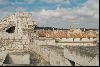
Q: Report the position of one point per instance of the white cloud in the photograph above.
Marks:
(29, 1)
(50, 13)
(88, 15)
(20, 9)
(56, 1)
(4, 14)
(23, 2)
(6, 11)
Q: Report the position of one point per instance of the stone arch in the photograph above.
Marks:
(9, 29)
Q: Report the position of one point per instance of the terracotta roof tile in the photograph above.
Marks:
(62, 34)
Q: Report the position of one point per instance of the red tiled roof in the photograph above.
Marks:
(62, 34)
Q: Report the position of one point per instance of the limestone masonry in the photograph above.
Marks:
(22, 42)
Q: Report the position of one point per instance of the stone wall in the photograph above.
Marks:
(84, 56)
(53, 55)
(69, 56)
(45, 42)
(17, 58)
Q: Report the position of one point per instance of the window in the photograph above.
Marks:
(11, 29)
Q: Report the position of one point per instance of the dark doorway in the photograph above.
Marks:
(72, 63)
(11, 29)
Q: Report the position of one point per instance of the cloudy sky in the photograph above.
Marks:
(56, 13)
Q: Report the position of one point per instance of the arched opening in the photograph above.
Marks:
(72, 62)
(11, 29)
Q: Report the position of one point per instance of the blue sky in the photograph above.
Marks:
(39, 4)
(56, 13)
